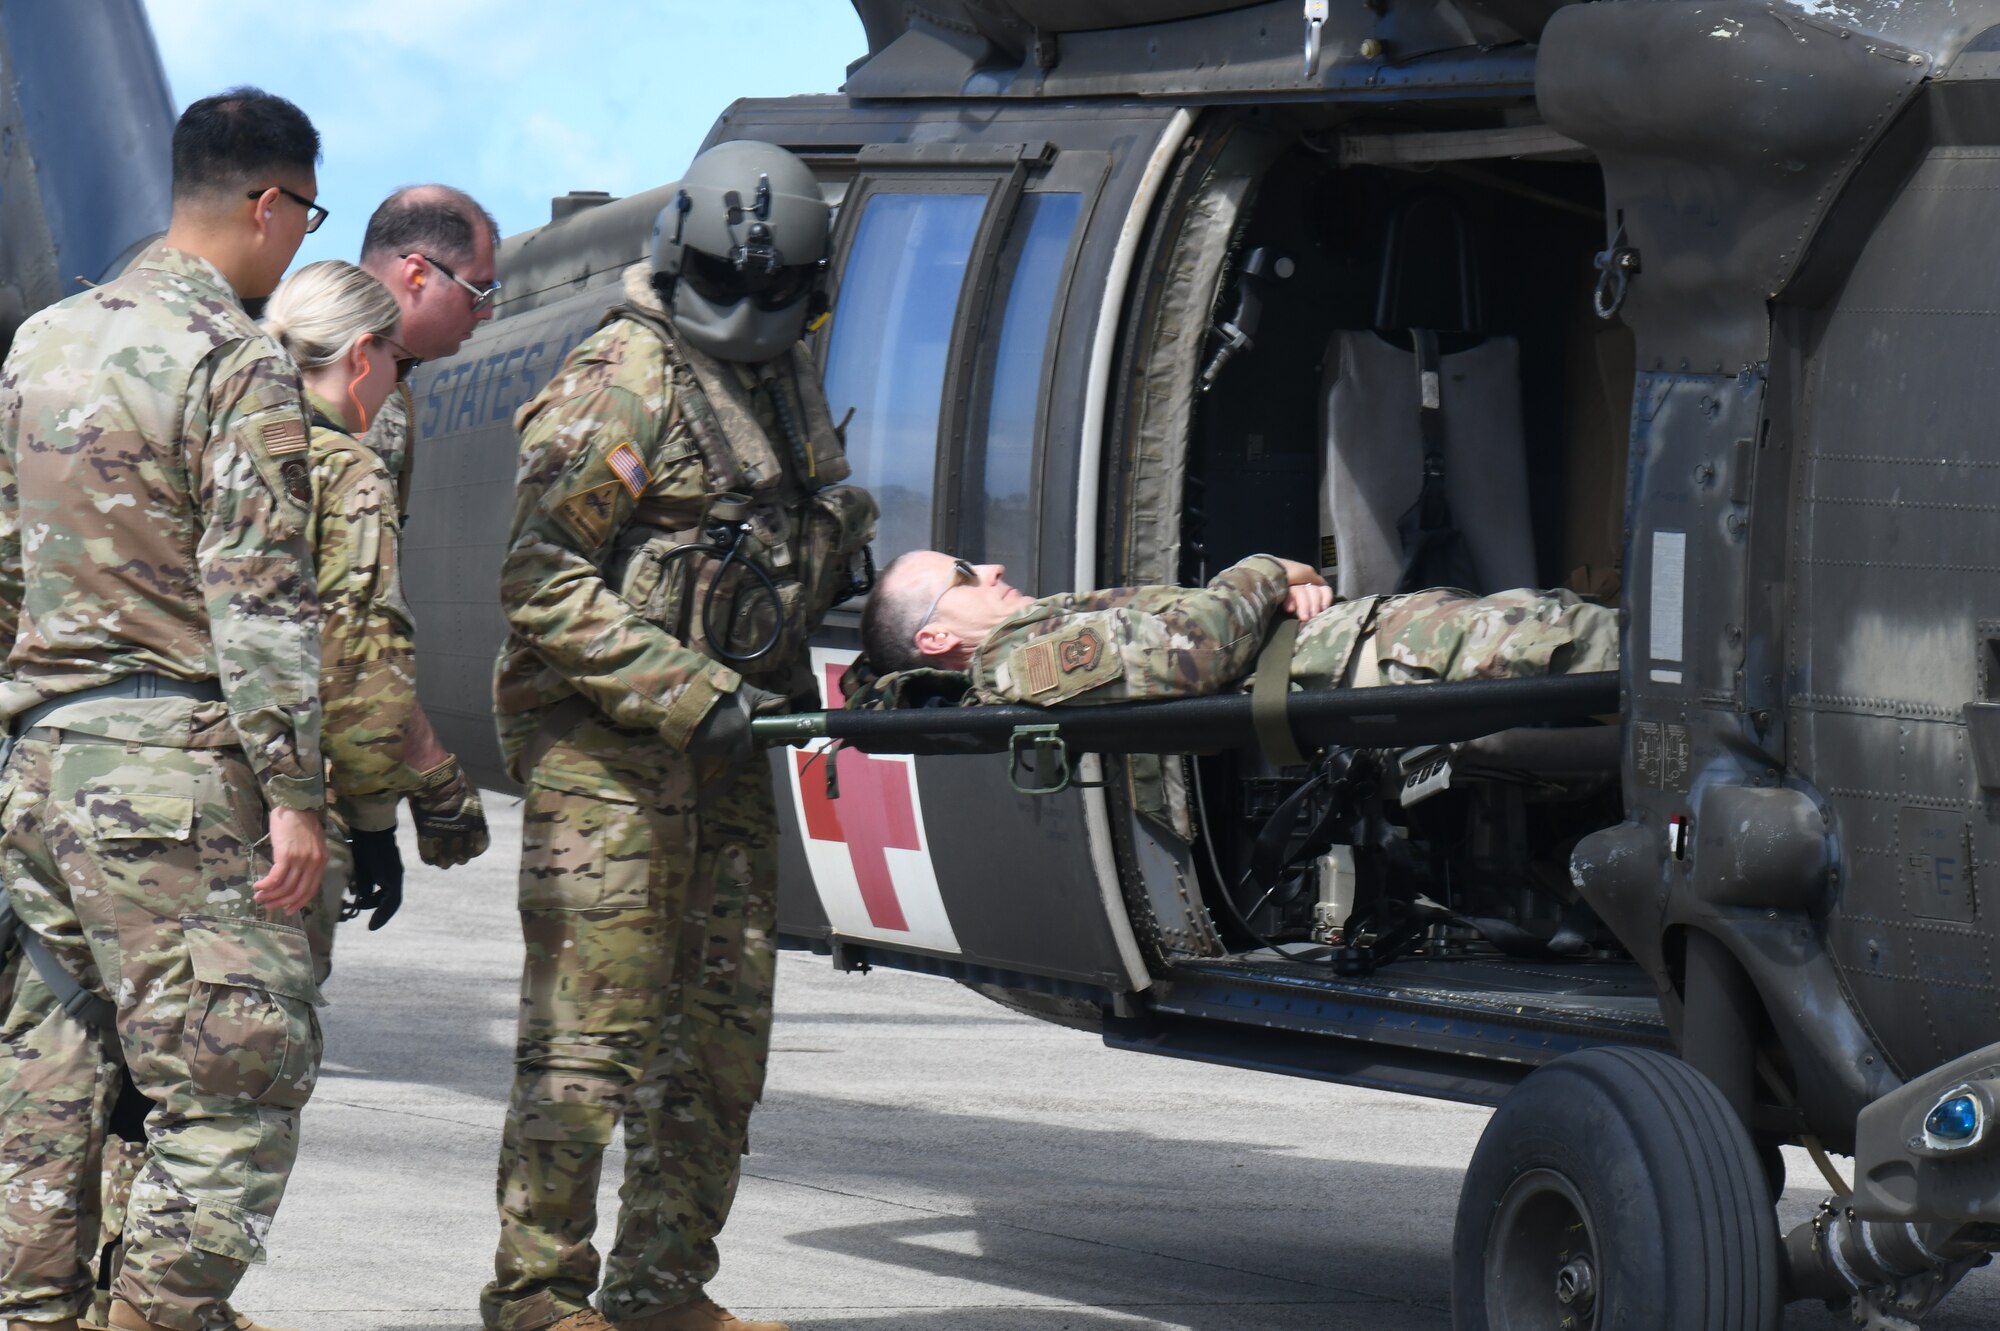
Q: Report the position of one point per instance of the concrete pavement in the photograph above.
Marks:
(922, 1159)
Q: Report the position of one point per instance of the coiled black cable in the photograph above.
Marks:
(718, 639)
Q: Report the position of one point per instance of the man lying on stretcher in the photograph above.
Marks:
(1134, 644)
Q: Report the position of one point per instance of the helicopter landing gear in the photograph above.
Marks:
(1614, 1188)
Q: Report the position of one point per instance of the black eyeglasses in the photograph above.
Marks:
(314, 213)
(481, 296)
(963, 574)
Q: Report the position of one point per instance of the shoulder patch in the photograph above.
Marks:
(1080, 652)
(1073, 660)
(287, 434)
(630, 469)
(1035, 667)
(589, 514)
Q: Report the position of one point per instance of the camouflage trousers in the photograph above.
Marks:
(123, 1159)
(58, 1078)
(1446, 636)
(133, 864)
(646, 1000)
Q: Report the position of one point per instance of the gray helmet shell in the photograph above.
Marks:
(757, 209)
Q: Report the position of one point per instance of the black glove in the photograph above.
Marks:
(378, 877)
(451, 823)
(725, 732)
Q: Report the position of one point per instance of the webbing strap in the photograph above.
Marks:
(73, 998)
(1269, 695)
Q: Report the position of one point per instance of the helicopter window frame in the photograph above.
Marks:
(882, 173)
(1077, 175)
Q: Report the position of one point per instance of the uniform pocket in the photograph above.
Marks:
(229, 1231)
(142, 817)
(582, 849)
(251, 1033)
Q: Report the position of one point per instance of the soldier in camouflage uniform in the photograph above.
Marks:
(432, 246)
(342, 328)
(160, 811)
(678, 533)
(1147, 643)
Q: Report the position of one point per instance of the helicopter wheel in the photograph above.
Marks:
(1615, 1188)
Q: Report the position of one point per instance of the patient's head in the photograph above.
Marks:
(929, 609)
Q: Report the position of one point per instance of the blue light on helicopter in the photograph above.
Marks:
(1956, 1119)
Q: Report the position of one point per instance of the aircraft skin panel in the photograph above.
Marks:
(99, 119)
(85, 180)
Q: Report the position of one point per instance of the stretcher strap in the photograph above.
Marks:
(1268, 697)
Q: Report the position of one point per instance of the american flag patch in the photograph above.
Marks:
(1036, 666)
(625, 462)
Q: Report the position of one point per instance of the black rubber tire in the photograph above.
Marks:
(1630, 1163)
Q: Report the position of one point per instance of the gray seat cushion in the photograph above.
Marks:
(1375, 455)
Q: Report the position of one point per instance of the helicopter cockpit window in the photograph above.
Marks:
(999, 489)
(890, 344)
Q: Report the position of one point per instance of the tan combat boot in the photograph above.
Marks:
(244, 1322)
(588, 1320)
(700, 1313)
(124, 1317)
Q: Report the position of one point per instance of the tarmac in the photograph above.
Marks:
(922, 1159)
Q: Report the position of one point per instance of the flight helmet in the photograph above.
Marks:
(739, 250)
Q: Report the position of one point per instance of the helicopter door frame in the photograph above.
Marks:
(998, 173)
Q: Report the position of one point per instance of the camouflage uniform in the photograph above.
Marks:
(1137, 643)
(647, 875)
(392, 437)
(368, 673)
(153, 489)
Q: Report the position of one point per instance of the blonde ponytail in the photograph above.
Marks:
(318, 312)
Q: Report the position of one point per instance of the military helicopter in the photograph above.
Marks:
(1123, 292)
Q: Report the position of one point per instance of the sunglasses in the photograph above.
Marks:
(481, 296)
(963, 574)
(314, 213)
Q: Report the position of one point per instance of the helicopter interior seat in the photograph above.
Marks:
(1424, 391)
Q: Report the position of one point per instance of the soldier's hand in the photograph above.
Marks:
(1307, 593)
(1306, 600)
(725, 732)
(378, 877)
(298, 860)
(450, 821)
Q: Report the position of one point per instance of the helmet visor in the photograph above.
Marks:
(722, 282)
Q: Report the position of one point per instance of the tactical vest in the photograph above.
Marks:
(806, 531)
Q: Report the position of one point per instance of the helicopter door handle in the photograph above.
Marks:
(1316, 12)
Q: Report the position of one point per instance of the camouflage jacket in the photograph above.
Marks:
(1131, 644)
(391, 436)
(617, 468)
(1175, 642)
(368, 663)
(153, 493)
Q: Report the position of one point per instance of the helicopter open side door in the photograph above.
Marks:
(978, 266)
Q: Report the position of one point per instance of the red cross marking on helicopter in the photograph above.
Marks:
(874, 815)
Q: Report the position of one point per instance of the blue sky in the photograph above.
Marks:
(511, 100)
